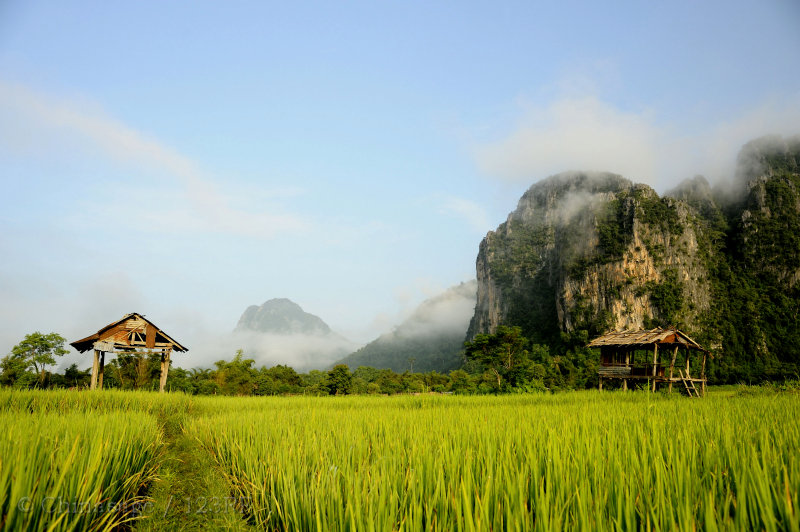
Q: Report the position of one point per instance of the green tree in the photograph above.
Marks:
(503, 353)
(36, 351)
(14, 372)
(133, 370)
(288, 379)
(236, 377)
(179, 380)
(314, 382)
(339, 380)
(73, 377)
(461, 382)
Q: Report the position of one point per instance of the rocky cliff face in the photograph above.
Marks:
(591, 252)
(585, 253)
(767, 228)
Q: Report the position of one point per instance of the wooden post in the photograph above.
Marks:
(655, 362)
(687, 363)
(164, 368)
(703, 374)
(600, 386)
(627, 365)
(672, 367)
(95, 366)
(100, 370)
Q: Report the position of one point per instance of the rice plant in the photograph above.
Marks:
(66, 469)
(581, 460)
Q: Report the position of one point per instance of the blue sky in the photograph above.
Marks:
(187, 159)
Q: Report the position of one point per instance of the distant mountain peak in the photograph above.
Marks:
(431, 338)
(281, 316)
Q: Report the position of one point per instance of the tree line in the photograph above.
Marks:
(492, 363)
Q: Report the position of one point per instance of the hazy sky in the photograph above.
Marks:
(188, 159)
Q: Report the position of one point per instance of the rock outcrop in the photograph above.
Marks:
(591, 251)
(585, 253)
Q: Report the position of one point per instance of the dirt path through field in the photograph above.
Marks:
(191, 493)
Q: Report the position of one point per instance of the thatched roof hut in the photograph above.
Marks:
(133, 332)
(619, 350)
(646, 339)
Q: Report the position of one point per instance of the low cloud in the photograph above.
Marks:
(586, 133)
(579, 202)
(446, 313)
(405, 303)
(573, 134)
(300, 351)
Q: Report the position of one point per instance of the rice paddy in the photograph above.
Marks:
(579, 460)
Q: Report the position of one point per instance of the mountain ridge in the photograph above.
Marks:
(588, 252)
(430, 339)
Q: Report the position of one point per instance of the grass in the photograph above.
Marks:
(577, 460)
(589, 460)
(64, 469)
(190, 493)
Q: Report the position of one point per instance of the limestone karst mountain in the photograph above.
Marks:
(585, 253)
(281, 332)
(281, 316)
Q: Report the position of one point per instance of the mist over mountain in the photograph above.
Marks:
(585, 253)
(432, 338)
(281, 332)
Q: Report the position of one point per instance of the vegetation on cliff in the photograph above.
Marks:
(585, 253)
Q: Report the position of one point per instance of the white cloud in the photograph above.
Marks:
(586, 133)
(573, 134)
(446, 313)
(301, 351)
(474, 214)
(34, 122)
(718, 150)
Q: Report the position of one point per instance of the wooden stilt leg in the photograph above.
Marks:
(628, 365)
(95, 366)
(101, 365)
(703, 374)
(600, 387)
(164, 369)
(655, 365)
(672, 367)
(162, 381)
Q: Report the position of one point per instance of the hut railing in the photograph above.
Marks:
(634, 370)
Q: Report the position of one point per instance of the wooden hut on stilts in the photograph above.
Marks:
(637, 355)
(132, 333)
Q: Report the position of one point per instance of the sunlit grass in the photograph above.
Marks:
(579, 460)
(74, 461)
(587, 460)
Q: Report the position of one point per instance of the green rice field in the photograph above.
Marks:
(580, 460)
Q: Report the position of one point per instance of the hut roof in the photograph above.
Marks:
(662, 337)
(131, 332)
